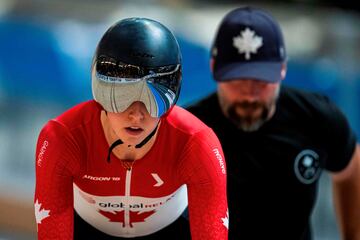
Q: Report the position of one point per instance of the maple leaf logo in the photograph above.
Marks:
(225, 220)
(40, 214)
(247, 42)
(119, 216)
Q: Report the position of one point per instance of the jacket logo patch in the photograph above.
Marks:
(307, 166)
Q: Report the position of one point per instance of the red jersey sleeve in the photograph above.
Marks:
(203, 169)
(56, 164)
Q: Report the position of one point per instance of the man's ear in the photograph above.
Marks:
(283, 71)
(212, 62)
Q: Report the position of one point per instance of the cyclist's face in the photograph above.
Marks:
(248, 102)
(134, 124)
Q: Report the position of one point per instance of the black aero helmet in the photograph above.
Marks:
(137, 59)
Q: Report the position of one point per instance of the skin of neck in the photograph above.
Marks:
(124, 151)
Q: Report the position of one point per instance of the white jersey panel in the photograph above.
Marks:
(129, 216)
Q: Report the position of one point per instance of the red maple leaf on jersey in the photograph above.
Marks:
(133, 217)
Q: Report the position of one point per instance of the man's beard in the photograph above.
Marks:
(248, 123)
(246, 120)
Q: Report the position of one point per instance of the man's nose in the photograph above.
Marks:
(249, 90)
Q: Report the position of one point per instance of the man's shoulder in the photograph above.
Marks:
(302, 95)
(313, 106)
(205, 104)
(207, 110)
(305, 100)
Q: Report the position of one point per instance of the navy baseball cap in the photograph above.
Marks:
(248, 44)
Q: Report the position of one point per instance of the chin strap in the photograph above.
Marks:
(115, 144)
(143, 142)
(147, 138)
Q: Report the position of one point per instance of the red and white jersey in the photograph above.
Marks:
(185, 167)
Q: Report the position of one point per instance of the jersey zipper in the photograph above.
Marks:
(127, 197)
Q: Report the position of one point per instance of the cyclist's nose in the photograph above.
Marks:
(137, 111)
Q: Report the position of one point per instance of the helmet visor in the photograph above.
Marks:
(117, 85)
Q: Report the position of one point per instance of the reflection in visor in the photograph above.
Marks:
(162, 83)
(111, 68)
(164, 97)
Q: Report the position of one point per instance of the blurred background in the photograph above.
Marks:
(46, 49)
